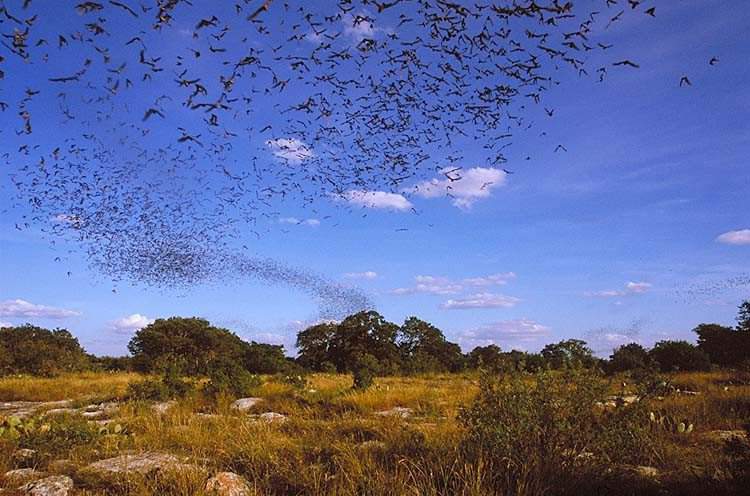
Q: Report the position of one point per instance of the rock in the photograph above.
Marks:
(371, 445)
(22, 475)
(141, 464)
(397, 411)
(162, 407)
(94, 415)
(690, 393)
(56, 404)
(724, 436)
(245, 404)
(228, 484)
(56, 485)
(24, 455)
(60, 411)
(646, 472)
(272, 417)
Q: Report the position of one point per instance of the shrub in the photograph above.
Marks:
(169, 386)
(227, 377)
(546, 430)
(364, 370)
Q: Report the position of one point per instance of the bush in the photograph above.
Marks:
(169, 386)
(227, 377)
(28, 349)
(364, 370)
(540, 432)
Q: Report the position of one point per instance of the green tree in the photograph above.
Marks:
(679, 356)
(29, 349)
(314, 346)
(743, 317)
(190, 344)
(720, 343)
(568, 353)
(423, 348)
(366, 333)
(262, 358)
(487, 357)
(629, 357)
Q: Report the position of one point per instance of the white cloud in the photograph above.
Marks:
(516, 333)
(481, 300)
(630, 289)
(130, 324)
(359, 27)
(23, 308)
(464, 187)
(444, 286)
(637, 287)
(299, 222)
(292, 150)
(741, 237)
(369, 274)
(430, 285)
(491, 280)
(5, 324)
(377, 199)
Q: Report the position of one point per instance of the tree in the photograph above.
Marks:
(679, 356)
(28, 349)
(488, 357)
(190, 344)
(314, 345)
(720, 343)
(366, 333)
(261, 358)
(743, 317)
(568, 353)
(629, 357)
(423, 348)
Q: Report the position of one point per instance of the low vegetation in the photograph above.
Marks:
(354, 415)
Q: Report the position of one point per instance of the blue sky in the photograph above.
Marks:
(639, 232)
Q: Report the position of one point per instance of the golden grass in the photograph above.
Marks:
(68, 386)
(333, 442)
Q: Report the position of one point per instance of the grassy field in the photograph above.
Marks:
(335, 441)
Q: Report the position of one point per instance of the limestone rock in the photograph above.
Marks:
(163, 407)
(272, 417)
(22, 475)
(141, 464)
(228, 484)
(245, 404)
(24, 456)
(57, 485)
(396, 411)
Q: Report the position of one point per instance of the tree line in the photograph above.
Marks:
(364, 344)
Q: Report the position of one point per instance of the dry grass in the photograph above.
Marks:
(333, 442)
(69, 386)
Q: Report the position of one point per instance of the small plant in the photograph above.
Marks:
(15, 427)
(669, 423)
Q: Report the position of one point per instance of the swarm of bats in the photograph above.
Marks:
(159, 133)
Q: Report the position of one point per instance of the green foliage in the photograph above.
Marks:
(186, 343)
(229, 378)
(629, 357)
(415, 347)
(423, 348)
(260, 358)
(364, 370)
(569, 353)
(533, 431)
(169, 386)
(28, 349)
(14, 427)
(672, 356)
